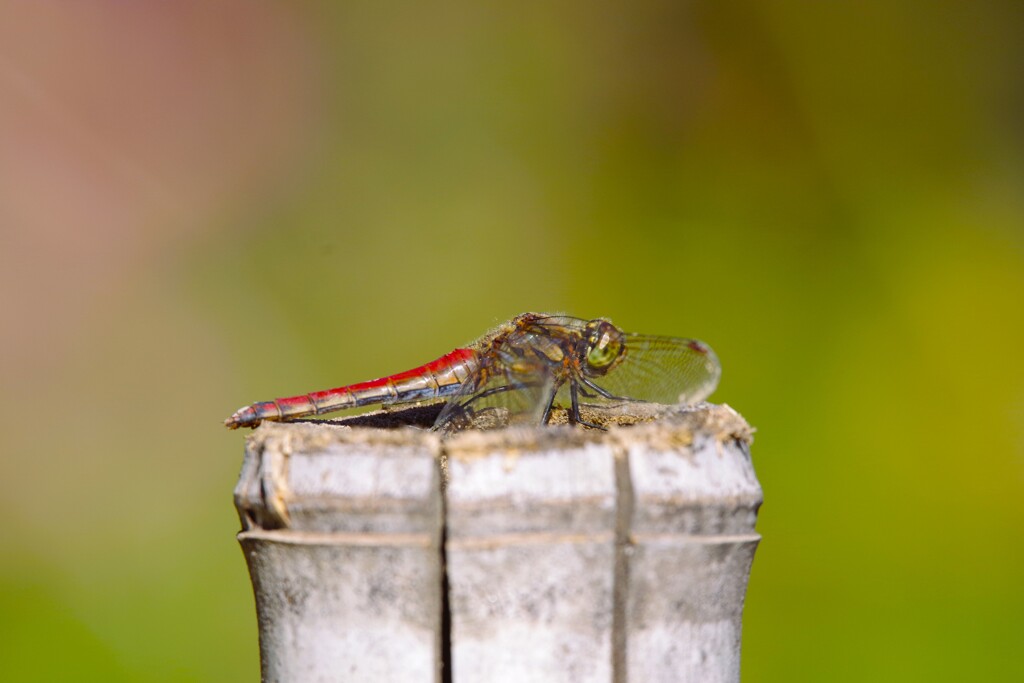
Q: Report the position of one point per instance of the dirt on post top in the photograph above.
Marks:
(677, 425)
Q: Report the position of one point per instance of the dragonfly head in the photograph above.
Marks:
(601, 348)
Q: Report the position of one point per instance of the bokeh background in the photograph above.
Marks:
(203, 204)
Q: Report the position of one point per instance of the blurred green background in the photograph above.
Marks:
(206, 204)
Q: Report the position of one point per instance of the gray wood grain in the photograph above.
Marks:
(569, 554)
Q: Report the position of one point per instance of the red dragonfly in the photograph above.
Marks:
(517, 372)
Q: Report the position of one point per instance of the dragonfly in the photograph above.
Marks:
(518, 372)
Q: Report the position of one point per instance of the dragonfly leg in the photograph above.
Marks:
(546, 417)
(603, 393)
(574, 412)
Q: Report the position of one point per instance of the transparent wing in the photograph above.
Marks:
(660, 370)
(498, 397)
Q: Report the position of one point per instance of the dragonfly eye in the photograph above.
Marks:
(604, 346)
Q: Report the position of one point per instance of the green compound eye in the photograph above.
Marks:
(604, 352)
(604, 346)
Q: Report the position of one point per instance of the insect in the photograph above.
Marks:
(519, 371)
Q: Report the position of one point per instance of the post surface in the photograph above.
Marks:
(692, 541)
(342, 538)
(568, 554)
(531, 553)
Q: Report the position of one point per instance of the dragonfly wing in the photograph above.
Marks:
(658, 369)
(497, 397)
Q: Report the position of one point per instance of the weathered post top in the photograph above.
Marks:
(554, 553)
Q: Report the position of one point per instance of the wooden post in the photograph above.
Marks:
(552, 554)
(531, 555)
(342, 534)
(694, 503)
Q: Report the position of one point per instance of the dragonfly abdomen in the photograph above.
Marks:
(436, 379)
